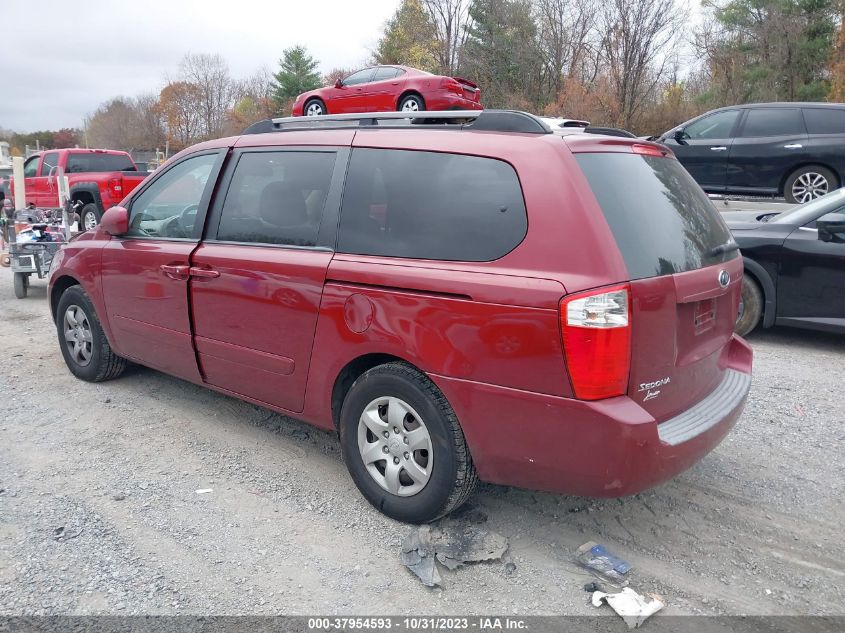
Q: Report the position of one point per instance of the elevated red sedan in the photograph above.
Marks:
(387, 88)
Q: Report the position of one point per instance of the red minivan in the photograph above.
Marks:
(461, 295)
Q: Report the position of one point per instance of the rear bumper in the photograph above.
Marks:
(607, 448)
(450, 101)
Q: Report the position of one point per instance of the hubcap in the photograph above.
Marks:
(314, 109)
(395, 446)
(78, 336)
(810, 186)
(90, 221)
(411, 105)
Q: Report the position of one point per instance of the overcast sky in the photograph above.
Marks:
(62, 58)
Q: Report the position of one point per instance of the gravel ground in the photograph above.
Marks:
(99, 511)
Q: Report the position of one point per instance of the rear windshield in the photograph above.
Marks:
(83, 163)
(662, 221)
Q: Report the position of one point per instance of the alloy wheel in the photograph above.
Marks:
(78, 335)
(810, 186)
(314, 109)
(395, 446)
(89, 221)
(410, 105)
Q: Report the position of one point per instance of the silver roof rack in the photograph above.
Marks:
(487, 120)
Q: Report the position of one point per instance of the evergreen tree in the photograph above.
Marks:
(297, 74)
(774, 50)
(500, 52)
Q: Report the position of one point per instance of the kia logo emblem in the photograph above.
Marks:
(724, 278)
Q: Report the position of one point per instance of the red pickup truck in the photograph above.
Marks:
(98, 178)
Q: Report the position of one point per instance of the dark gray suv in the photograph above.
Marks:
(794, 150)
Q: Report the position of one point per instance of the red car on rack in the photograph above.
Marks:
(388, 88)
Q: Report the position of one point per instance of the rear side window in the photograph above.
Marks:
(761, 122)
(385, 72)
(277, 198)
(662, 221)
(825, 120)
(428, 205)
(83, 163)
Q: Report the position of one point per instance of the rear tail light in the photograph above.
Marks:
(116, 187)
(596, 333)
(452, 85)
(652, 150)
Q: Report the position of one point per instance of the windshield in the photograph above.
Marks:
(811, 210)
(662, 220)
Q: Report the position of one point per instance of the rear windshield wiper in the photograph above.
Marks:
(727, 247)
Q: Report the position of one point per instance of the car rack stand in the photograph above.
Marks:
(485, 120)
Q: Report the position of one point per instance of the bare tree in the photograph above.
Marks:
(450, 19)
(150, 131)
(564, 31)
(210, 75)
(639, 42)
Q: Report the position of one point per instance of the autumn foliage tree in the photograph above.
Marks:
(409, 38)
(180, 106)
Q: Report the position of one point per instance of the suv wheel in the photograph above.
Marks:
(89, 216)
(403, 445)
(85, 348)
(750, 307)
(314, 107)
(809, 183)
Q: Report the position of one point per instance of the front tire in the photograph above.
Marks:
(412, 103)
(84, 346)
(750, 307)
(403, 446)
(21, 285)
(89, 216)
(808, 183)
(314, 107)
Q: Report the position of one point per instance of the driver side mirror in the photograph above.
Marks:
(338, 83)
(115, 221)
(831, 227)
(679, 135)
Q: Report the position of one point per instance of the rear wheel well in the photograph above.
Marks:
(85, 197)
(350, 373)
(59, 287)
(408, 93)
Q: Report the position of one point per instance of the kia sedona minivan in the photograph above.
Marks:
(460, 295)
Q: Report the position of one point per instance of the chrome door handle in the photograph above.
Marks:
(205, 273)
(175, 271)
(793, 146)
(719, 148)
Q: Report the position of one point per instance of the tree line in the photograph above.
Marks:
(644, 65)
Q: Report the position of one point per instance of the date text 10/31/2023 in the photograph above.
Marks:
(420, 623)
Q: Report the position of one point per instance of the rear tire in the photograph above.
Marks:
(21, 285)
(84, 345)
(809, 183)
(750, 307)
(433, 476)
(412, 103)
(89, 217)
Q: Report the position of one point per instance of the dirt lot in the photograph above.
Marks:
(754, 529)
